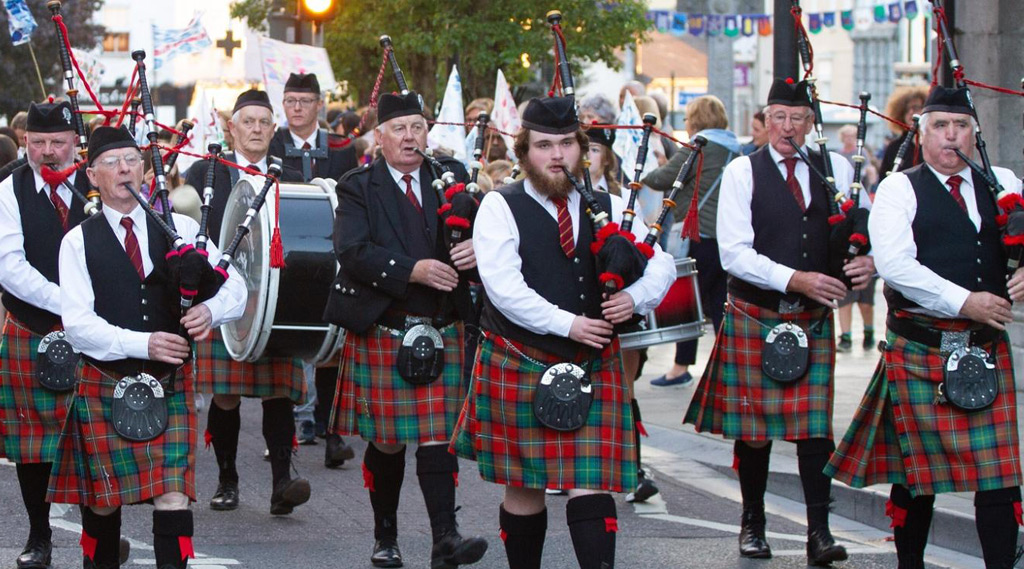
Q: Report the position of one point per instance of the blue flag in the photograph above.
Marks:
(829, 19)
(19, 21)
(696, 22)
(678, 24)
(895, 12)
(715, 24)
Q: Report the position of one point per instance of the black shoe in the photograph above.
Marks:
(753, 543)
(287, 495)
(386, 553)
(124, 551)
(822, 549)
(453, 550)
(845, 343)
(337, 452)
(226, 497)
(869, 341)
(36, 554)
(645, 489)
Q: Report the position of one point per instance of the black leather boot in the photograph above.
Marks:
(36, 554)
(753, 543)
(226, 496)
(822, 549)
(385, 547)
(337, 452)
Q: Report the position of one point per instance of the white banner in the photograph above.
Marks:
(505, 117)
(451, 135)
(281, 59)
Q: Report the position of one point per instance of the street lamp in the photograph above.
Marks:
(317, 10)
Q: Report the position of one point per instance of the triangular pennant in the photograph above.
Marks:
(748, 25)
(895, 12)
(846, 19)
(678, 24)
(732, 26)
(911, 9)
(814, 23)
(764, 25)
(864, 18)
(829, 19)
(880, 14)
(715, 24)
(695, 23)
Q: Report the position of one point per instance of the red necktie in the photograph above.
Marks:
(131, 247)
(410, 194)
(794, 185)
(62, 209)
(565, 227)
(255, 167)
(954, 190)
(306, 146)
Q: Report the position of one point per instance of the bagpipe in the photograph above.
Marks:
(901, 152)
(478, 152)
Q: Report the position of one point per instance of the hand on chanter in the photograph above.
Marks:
(819, 287)
(618, 308)
(168, 348)
(860, 269)
(435, 274)
(198, 322)
(591, 332)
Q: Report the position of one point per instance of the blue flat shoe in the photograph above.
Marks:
(665, 381)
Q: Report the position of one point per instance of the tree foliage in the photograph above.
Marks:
(480, 36)
(18, 73)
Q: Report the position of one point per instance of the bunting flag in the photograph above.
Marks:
(846, 19)
(895, 12)
(829, 19)
(695, 24)
(168, 44)
(881, 14)
(19, 21)
(679, 24)
(450, 135)
(92, 69)
(911, 9)
(505, 117)
(715, 24)
(865, 18)
(764, 26)
(748, 27)
(662, 20)
(731, 27)
(814, 23)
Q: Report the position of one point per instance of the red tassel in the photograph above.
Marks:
(690, 225)
(611, 525)
(444, 209)
(450, 192)
(88, 544)
(617, 279)
(456, 221)
(836, 219)
(859, 239)
(846, 206)
(898, 515)
(208, 437)
(276, 247)
(368, 479)
(186, 548)
(640, 429)
(1018, 513)
(645, 249)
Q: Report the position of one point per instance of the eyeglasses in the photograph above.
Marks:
(780, 118)
(304, 103)
(111, 162)
(251, 123)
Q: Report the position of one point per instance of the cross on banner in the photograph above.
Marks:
(228, 43)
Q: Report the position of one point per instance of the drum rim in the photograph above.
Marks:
(685, 267)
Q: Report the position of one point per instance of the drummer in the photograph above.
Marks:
(278, 381)
(397, 286)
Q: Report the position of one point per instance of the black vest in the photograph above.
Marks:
(948, 243)
(43, 233)
(782, 232)
(571, 284)
(122, 299)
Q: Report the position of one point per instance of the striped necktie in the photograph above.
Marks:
(565, 227)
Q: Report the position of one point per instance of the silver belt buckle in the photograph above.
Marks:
(790, 307)
(953, 341)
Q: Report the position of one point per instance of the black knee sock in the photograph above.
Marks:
(752, 468)
(172, 538)
(33, 479)
(101, 538)
(995, 515)
(911, 522)
(812, 456)
(382, 476)
(637, 425)
(326, 385)
(279, 434)
(437, 470)
(523, 537)
(222, 427)
(593, 523)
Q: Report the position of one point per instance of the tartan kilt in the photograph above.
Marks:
(31, 416)
(901, 436)
(512, 448)
(269, 377)
(374, 402)
(738, 401)
(94, 466)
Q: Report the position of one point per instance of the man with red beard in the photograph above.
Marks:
(544, 306)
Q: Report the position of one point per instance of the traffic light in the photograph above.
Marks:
(317, 10)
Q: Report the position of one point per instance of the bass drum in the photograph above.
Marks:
(679, 317)
(284, 310)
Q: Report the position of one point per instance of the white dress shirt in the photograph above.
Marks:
(96, 337)
(17, 276)
(243, 161)
(892, 240)
(735, 231)
(311, 140)
(496, 243)
(397, 176)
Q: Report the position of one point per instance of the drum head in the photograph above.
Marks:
(248, 335)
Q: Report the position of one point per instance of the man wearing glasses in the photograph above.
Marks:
(773, 233)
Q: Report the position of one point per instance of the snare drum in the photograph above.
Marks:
(678, 318)
(284, 310)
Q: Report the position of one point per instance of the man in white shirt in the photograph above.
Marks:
(130, 433)
(773, 239)
(33, 219)
(940, 413)
(544, 306)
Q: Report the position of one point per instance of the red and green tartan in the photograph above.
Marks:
(512, 448)
(268, 377)
(94, 466)
(901, 436)
(738, 401)
(374, 402)
(31, 416)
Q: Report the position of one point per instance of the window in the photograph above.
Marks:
(115, 42)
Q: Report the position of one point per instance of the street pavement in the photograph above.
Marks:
(693, 523)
